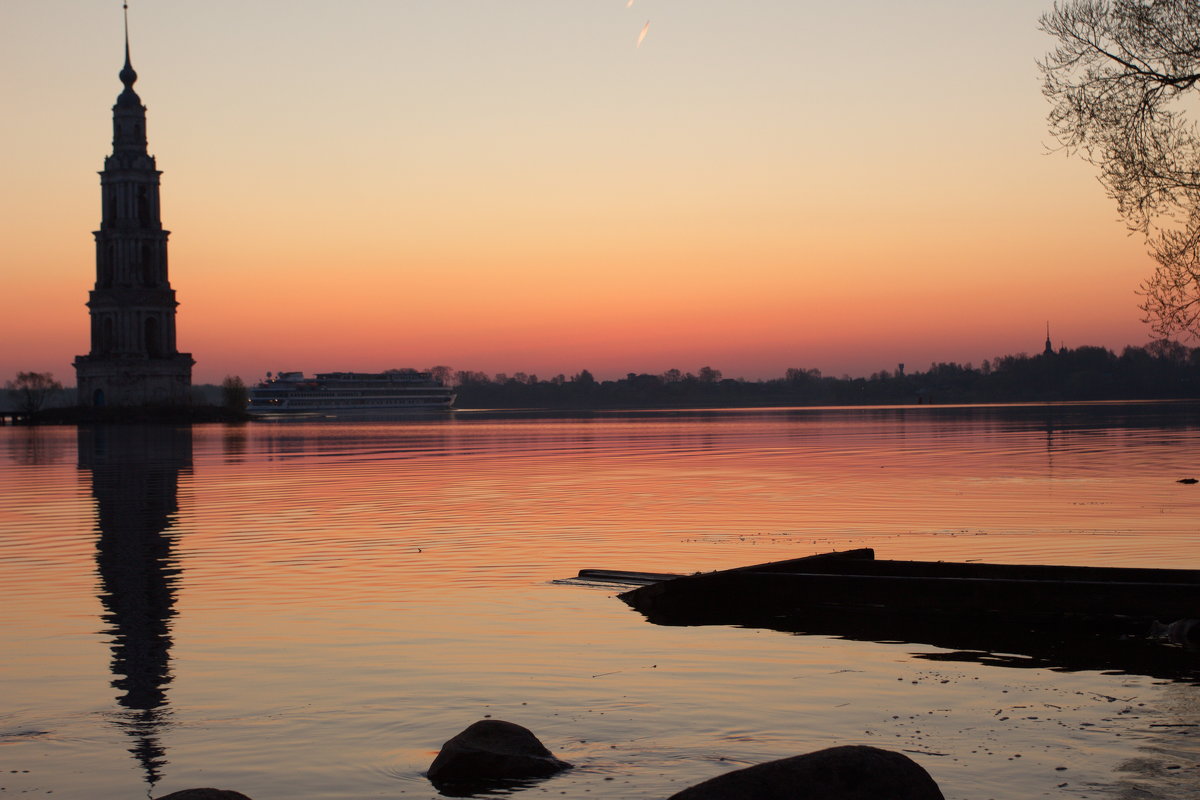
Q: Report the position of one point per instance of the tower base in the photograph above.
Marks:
(124, 382)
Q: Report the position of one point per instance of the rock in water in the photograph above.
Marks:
(492, 750)
(853, 772)
(204, 794)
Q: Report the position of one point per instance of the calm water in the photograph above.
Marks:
(308, 610)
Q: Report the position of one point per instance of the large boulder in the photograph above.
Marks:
(492, 751)
(204, 794)
(854, 772)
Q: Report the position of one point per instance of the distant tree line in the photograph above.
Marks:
(1160, 370)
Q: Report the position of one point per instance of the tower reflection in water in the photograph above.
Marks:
(135, 476)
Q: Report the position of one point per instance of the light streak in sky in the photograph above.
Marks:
(642, 35)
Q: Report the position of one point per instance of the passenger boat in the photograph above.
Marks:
(399, 391)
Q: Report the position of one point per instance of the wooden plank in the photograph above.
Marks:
(626, 576)
(642, 578)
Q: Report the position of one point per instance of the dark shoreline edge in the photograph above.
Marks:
(160, 415)
(198, 414)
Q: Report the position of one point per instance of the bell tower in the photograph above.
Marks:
(133, 360)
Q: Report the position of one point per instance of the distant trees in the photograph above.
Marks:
(795, 375)
(30, 390)
(1161, 369)
(465, 377)
(1120, 78)
(234, 394)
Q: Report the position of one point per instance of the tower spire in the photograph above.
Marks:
(128, 76)
(129, 115)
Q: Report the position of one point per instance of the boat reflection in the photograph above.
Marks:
(1065, 645)
(135, 475)
(1012, 643)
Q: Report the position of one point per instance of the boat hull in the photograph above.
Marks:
(373, 412)
(1069, 618)
(855, 580)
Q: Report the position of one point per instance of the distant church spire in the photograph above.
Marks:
(1049, 351)
(133, 359)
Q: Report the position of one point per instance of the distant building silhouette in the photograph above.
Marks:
(1049, 351)
(133, 360)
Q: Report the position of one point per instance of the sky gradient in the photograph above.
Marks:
(518, 186)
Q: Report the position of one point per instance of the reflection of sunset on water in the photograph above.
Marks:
(348, 596)
(659, 493)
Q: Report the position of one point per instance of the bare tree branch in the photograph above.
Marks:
(1120, 81)
(31, 390)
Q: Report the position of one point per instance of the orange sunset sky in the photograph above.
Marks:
(518, 186)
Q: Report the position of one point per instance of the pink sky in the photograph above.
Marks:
(520, 187)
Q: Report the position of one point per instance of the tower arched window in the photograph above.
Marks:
(148, 269)
(108, 265)
(143, 205)
(153, 343)
(108, 336)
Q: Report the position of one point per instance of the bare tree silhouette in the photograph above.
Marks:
(1120, 77)
(31, 390)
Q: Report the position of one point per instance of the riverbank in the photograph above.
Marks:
(171, 415)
